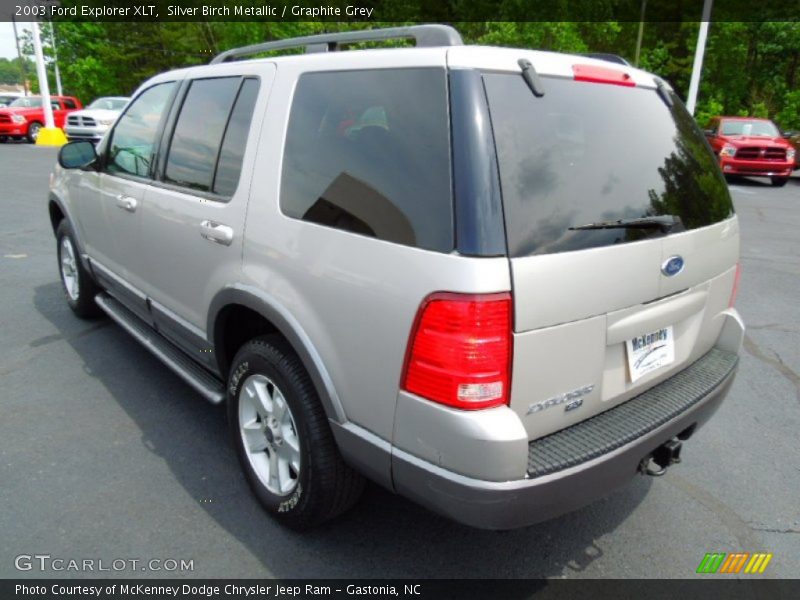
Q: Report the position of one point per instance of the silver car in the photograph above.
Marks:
(499, 282)
(94, 121)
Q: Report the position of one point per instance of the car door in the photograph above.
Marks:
(110, 198)
(193, 217)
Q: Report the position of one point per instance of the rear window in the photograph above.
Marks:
(588, 153)
(369, 152)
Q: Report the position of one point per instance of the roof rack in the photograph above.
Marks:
(424, 35)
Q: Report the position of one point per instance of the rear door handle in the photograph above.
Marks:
(216, 232)
(127, 203)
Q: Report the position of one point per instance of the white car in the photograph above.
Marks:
(92, 122)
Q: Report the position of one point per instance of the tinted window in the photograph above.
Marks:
(230, 157)
(70, 103)
(368, 152)
(198, 132)
(133, 141)
(585, 153)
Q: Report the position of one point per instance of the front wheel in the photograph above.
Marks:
(78, 286)
(779, 181)
(33, 131)
(3, 139)
(282, 437)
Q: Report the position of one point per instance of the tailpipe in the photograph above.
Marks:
(666, 455)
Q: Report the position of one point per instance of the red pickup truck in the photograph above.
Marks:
(749, 146)
(24, 117)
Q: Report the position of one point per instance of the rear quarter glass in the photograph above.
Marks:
(588, 152)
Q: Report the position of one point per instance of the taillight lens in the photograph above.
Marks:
(735, 289)
(459, 352)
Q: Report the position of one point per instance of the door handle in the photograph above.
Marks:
(127, 203)
(216, 232)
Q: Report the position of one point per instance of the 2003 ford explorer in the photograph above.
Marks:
(499, 282)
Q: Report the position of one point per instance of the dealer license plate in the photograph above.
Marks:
(649, 352)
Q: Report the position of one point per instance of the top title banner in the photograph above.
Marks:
(397, 10)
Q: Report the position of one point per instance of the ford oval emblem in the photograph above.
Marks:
(672, 266)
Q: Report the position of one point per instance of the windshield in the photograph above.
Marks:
(27, 103)
(109, 103)
(752, 128)
(588, 153)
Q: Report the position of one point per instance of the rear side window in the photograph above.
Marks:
(369, 152)
(133, 140)
(588, 153)
(69, 103)
(233, 144)
(198, 132)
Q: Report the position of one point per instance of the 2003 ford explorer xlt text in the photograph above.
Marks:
(498, 282)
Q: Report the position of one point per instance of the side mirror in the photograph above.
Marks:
(788, 134)
(710, 132)
(76, 155)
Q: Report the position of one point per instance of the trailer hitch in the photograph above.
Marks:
(662, 457)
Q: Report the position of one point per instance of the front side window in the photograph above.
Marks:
(369, 152)
(70, 103)
(198, 132)
(133, 141)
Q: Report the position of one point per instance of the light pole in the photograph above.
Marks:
(49, 135)
(55, 58)
(639, 37)
(697, 67)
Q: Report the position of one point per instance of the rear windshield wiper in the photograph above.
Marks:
(663, 222)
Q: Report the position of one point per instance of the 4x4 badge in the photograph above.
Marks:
(672, 266)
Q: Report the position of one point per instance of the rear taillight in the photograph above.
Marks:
(459, 351)
(735, 289)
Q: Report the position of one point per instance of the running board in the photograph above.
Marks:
(201, 380)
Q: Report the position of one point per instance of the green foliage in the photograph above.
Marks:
(749, 68)
(10, 72)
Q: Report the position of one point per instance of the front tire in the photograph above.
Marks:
(76, 282)
(778, 181)
(33, 131)
(282, 437)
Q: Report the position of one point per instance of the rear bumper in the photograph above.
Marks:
(592, 475)
(732, 166)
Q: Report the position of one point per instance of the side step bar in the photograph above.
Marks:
(201, 380)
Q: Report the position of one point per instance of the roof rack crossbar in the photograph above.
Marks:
(424, 35)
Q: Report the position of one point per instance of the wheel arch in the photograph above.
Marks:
(281, 321)
(57, 211)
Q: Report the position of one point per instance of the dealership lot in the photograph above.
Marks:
(105, 454)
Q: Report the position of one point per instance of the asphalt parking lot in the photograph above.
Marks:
(105, 454)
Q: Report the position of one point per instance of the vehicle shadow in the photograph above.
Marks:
(384, 536)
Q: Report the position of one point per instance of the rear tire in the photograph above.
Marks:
(33, 131)
(76, 282)
(778, 181)
(3, 139)
(282, 437)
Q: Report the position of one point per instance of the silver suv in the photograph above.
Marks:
(498, 282)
